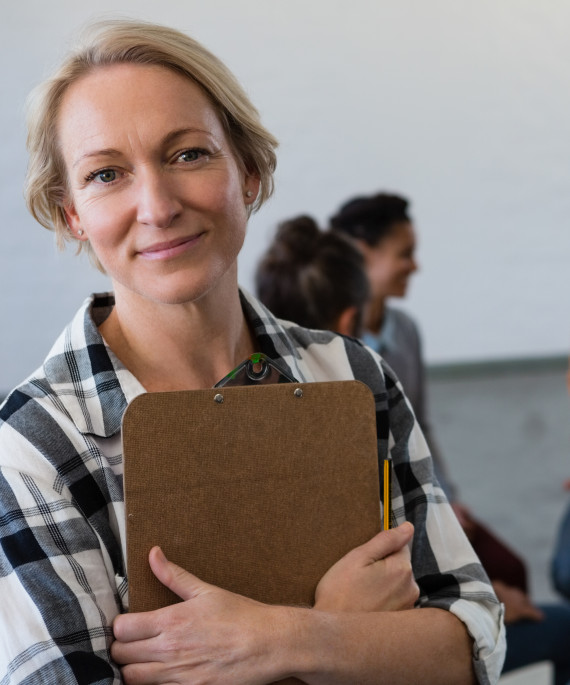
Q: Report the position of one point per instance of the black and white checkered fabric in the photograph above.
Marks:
(62, 534)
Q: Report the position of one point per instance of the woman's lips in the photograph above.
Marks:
(170, 248)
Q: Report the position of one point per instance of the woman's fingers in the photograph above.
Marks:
(177, 579)
(377, 576)
(144, 626)
(386, 542)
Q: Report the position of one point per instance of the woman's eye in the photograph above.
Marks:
(103, 176)
(191, 155)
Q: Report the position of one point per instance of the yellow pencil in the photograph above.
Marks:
(387, 493)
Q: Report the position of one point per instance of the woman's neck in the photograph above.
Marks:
(375, 316)
(179, 347)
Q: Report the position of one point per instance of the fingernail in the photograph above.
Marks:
(159, 553)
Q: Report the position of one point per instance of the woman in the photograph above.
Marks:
(314, 278)
(382, 229)
(145, 151)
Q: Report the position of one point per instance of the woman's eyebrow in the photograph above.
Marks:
(178, 133)
(105, 152)
(168, 138)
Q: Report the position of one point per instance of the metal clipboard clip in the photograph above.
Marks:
(258, 368)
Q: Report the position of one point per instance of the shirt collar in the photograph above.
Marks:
(88, 379)
(94, 386)
(271, 336)
(385, 339)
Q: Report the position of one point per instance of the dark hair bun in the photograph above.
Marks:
(311, 276)
(296, 240)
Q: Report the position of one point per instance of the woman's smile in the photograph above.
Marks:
(171, 248)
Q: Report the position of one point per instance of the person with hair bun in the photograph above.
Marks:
(146, 153)
(313, 278)
(381, 227)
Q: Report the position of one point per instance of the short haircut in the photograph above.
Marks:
(310, 277)
(372, 218)
(135, 42)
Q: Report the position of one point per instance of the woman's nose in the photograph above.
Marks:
(157, 204)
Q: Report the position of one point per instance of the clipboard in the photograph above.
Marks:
(258, 489)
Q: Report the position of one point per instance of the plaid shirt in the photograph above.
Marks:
(62, 530)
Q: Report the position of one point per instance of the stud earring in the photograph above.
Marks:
(249, 193)
(80, 232)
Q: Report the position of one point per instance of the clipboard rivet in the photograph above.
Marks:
(218, 398)
(298, 392)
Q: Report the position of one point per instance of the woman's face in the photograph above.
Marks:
(153, 182)
(391, 262)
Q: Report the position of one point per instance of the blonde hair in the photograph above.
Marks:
(124, 41)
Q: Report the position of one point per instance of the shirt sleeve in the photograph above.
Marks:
(59, 594)
(447, 570)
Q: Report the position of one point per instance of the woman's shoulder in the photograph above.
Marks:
(31, 427)
(402, 319)
(60, 395)
(312, 354)
(333, 356)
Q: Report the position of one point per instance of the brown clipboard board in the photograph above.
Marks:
(257, 489)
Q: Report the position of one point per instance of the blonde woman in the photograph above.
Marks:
(145, 152)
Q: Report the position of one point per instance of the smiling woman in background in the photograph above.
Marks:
(381, 227)
(145, 152)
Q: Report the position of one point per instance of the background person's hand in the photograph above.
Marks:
(518, 605)
(377, 576)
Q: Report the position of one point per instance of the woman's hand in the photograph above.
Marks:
(376, 576)
(214, 636)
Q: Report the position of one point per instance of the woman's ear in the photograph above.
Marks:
(346, 322)
(73, 222)
(251, 186)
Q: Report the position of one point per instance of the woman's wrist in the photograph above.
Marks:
(296, 639)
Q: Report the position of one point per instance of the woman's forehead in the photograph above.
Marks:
(133, 100)
(136, 84)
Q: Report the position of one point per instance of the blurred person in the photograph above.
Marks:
(560, 567)
(313, 278)
(382, 228)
